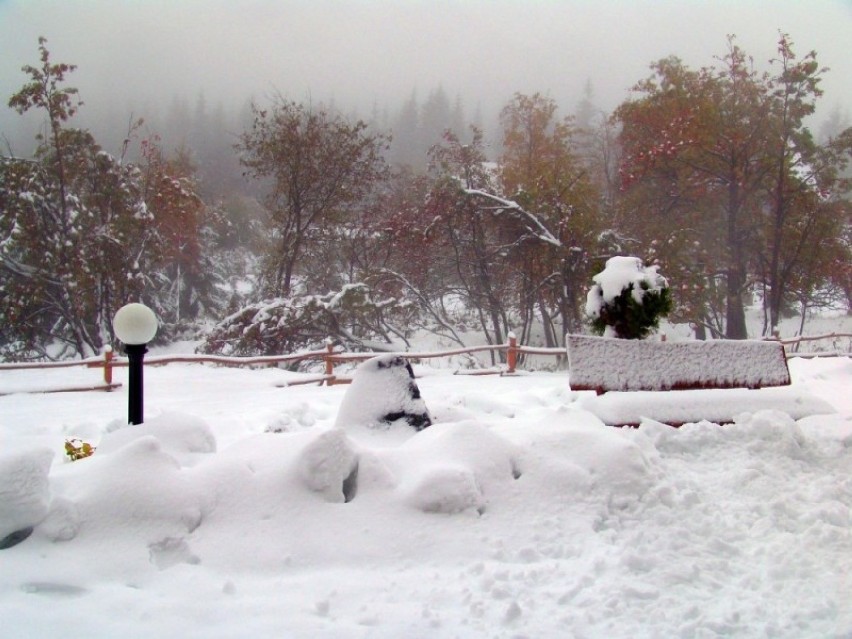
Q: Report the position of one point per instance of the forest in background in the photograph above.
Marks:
(275, 227)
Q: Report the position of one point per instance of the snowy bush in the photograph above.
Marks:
(281, 325)
(627, 299)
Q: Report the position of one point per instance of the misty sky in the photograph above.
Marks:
(365, 52)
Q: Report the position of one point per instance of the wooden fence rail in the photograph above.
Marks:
(791, 344)
(331, 357)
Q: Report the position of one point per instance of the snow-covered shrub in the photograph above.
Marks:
(627, 299)
(282, 325)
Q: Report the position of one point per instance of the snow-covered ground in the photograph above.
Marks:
(517, 514)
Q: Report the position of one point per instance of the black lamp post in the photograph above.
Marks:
(135, 325)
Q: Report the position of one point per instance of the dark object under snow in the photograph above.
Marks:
(15, 538)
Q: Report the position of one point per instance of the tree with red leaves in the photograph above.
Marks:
(717, 161)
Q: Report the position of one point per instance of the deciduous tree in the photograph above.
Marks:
(722, 154)
(541, 170)
(318, 168)
(76, 229)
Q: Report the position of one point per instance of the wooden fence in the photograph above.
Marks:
(329, 356)
(791, 345)
(514, 353)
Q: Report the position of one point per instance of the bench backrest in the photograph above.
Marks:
(606, 364)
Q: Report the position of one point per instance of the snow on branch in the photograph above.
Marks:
(532, 223)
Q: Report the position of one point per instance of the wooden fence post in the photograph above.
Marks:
(329, 364)
(108, 355)
(512, 354)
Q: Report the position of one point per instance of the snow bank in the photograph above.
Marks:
(179, 434)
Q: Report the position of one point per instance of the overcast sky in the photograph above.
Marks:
(362, 52)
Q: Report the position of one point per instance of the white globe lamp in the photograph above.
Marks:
(135, 325)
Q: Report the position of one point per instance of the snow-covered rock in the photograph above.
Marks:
(383, 392)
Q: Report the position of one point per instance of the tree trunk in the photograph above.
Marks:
(547, 324)
(735, 326)
(776, 289)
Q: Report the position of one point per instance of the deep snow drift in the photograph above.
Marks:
(239, 509)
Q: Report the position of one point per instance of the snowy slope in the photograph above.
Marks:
(517, 514)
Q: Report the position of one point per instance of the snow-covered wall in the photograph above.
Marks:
(605, 364)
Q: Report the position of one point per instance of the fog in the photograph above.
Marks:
(134, 55)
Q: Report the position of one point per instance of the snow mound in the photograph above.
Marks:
(139, 490)
(328, 465)
(24, 490)
(721, 406)
(445, 489)
(615, 463)
(179, 435)
(383, 391)
(451, 468)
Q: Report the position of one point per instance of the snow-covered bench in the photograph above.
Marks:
(716, 380)
(605, 364)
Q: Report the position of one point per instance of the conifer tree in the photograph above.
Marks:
(627, 300)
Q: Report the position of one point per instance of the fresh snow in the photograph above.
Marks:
(239, 510)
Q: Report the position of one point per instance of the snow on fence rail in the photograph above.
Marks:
(330, 357)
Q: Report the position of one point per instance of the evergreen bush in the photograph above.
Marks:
(627, 300)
